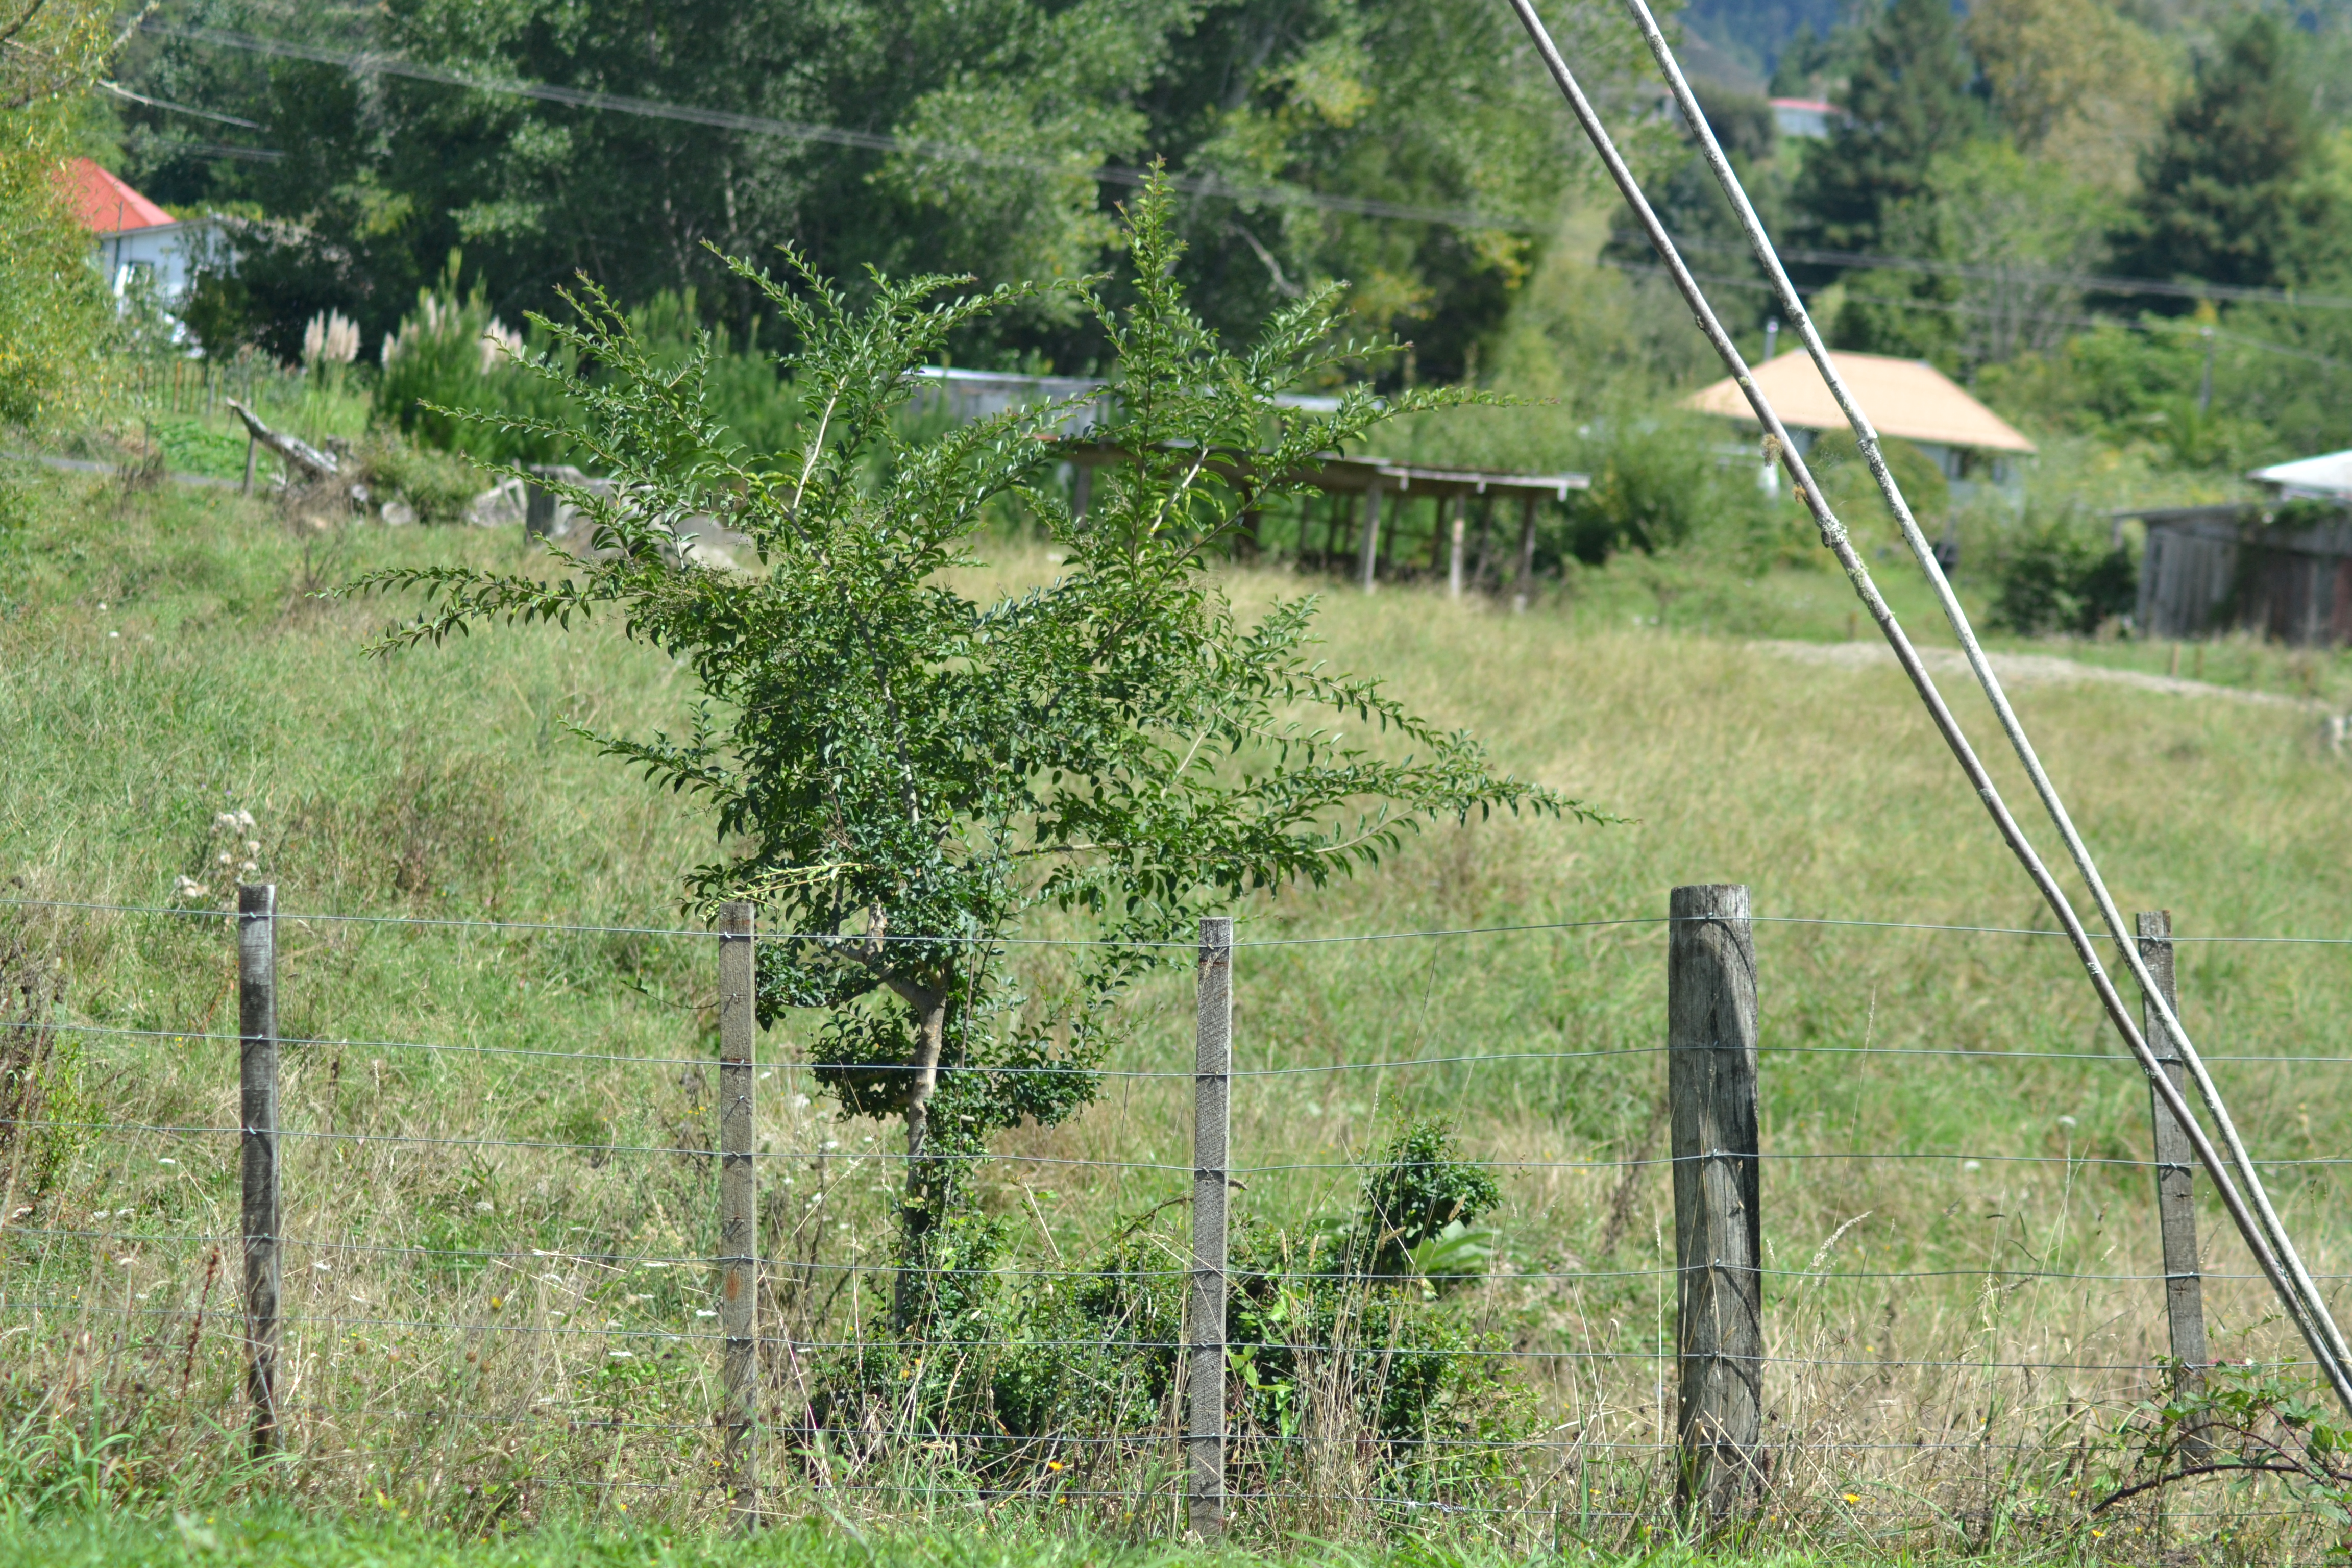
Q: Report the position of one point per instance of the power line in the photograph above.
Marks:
(370, 63)
(1962, 307)
(373, 63)
(2101, 282)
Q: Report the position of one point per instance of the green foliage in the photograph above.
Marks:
(451, 354)
(1909, 98)
(2232, 191)
(1417, 1192)
(54, 314)
(437, 486)
(2251, 1419)
(902, 775)
(2062, 576)
(1439, 105)
(1660, 483)
(2139, 390)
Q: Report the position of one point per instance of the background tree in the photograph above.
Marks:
(905, 776)
(2075, 81)
(2234, 190)
(53, 312)
(1438, 104)
(1912, 95)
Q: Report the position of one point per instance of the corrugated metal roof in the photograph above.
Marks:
(1905, 397)
(104, 205)
(2330, 475)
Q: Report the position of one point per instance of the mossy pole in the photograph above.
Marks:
(2176, 1182)
(739, 1239)
(1204, 1378)
(1523, 587)
(257, 1012)
(1711, 1087)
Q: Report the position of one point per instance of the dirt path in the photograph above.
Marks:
(2035, 670)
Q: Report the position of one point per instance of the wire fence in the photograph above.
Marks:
(506, 1277)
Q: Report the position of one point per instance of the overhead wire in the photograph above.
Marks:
(368, 62)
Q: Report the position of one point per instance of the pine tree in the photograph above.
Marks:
(2228, 194)
(1912, 96)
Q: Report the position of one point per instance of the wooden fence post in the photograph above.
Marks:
(738, 1238)
(1454, 561)
(1711, 1088)
(1205, 1426)
(1523, 587)
(256, 1013)
(2176, 1182)
(1368, 546)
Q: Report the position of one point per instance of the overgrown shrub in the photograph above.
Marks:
(55, 315)
(906, 777)
(437, 486)
(1320, 1350)
(2061, 576)
(452, 353)
(1662, 482)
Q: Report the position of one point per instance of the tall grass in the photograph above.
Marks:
(1939, 1328)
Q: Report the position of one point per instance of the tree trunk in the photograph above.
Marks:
(916, 1212)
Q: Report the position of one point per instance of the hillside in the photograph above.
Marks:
(1952, 1137)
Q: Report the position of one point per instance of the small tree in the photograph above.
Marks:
(904, 774)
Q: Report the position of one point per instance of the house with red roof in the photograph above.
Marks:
(136, 238)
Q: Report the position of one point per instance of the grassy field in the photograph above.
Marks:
(270, 1538)
(1962, 1244)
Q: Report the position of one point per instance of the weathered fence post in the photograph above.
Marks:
(738, 1238)
(1454, 561)
(1204, 1381)
(1711, 1088)
(1523, 587)
(2176, 1182)
(1367, 547)
(257, 1013)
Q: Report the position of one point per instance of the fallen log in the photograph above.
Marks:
(299, 453)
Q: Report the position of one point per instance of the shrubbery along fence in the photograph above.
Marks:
(1192, 1375)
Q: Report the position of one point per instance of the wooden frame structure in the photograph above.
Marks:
(1361, 489)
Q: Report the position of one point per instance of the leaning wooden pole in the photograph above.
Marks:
(2273, 1252)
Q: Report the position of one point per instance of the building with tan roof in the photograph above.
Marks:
(1905, 397)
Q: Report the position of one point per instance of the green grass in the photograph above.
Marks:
(272, 1538)
(163, 658)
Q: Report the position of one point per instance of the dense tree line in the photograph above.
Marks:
(378, 179)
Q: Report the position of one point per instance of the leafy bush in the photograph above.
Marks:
(55, 315)
(452, 353)
(1835, 460)
(1318, 1349)
(2061, 578)
(1662, 482)
(439, 486)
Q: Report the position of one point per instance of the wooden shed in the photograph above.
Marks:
(2285, 571)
